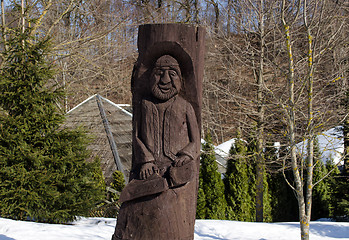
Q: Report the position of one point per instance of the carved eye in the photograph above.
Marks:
(172, 73)
(159, 72)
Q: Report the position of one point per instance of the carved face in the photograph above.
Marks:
(166, 78)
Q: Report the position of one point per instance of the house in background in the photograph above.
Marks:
(110, 126)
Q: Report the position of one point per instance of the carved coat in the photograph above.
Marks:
(180, 132)
(161, 137)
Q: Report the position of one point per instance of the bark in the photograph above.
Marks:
(260, 111)
(310, 130)
(291, 119)
(167, 208)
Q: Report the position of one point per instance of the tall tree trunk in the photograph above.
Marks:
(310, 130)
(291, 120)
(22, 17)
(260, 117)
(346, 139)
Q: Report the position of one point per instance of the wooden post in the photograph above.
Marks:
(160, 200)
(186, 42)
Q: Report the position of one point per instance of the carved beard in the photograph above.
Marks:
(156, 91)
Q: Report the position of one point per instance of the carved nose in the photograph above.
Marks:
(165, 79)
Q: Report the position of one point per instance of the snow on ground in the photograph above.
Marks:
(103, 228)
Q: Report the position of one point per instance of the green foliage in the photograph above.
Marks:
(43, 170)
(98, 175)
(267, 199)
(118, 184)
(345, 131)
(322, 190)
(283, 202)
(340, 197)
(240, 184)
(321, 193)
(211, 201)
(284, 206)
(118, 181)
(270, 156)
(201, 203)
(109, 208)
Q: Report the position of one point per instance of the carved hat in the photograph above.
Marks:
(168, 61)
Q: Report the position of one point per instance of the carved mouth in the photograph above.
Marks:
(165, 88)
(164, 92)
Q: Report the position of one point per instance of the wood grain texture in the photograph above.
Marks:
(166, 135)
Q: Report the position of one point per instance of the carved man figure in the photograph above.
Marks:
(168, 134)
(166, 144)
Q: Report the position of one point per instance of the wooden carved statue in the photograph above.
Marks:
(160, 200)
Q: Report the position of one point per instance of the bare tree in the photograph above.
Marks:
(309, 34)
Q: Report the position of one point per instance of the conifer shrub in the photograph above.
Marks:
(118, 184)
(44, 175)
(211, 201)
(321, 191)
(284, 206)
(240, 183)
(340, 197)
(110, 206)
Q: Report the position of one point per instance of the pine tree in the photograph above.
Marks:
(339, 207)
(44, 175)
(340, 195)
(332, 184)
(270, 156)
(211, 201)
(118, 181)
(201, 202)
(118, 184)
(284, 206)
(321, 191)
(240, 184)
(341, 198)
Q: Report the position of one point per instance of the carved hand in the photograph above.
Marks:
(181, 160)
(147, 170)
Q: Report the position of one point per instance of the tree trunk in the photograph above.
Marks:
(165, 130)
(310, 157)
(260, 109)
(291, 119)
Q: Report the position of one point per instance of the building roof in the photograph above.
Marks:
(100, 116)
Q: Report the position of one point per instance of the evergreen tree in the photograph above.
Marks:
(284, 206)
(341, 198)
(240, 184)
(345, 132)
(118, 184)
(44, 175)
(339, 207)
(211, 201)
(118, 181)
(332, 183)
(340, 195)
(270, 156)
(201, 202)
(321, 191)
